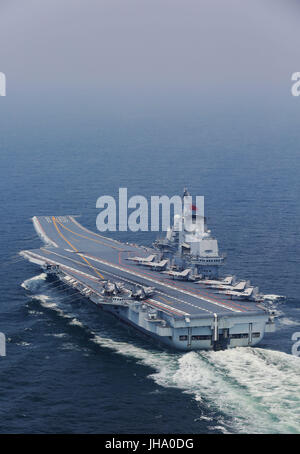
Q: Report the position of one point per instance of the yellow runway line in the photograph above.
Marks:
(74, 248)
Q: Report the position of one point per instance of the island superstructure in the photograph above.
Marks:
(173, 292)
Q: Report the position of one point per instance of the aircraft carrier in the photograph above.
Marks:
(172, 292)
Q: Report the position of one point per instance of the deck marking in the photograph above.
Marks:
(91, 239)
(197, 294)
(93, 233)
(152, 302)
(43, 232)
(152, 279)
(118, 277)
(164, 279)
(208, 299)
(74, 248)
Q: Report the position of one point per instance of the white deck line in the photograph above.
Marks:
(168, 307)
(39, 230)
(159, 282)
(34, 258)
(152, 280)
(127, 280)
(136, 273)
(40, 260)
(93, 233)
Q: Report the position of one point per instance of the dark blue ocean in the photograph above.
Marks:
(72, 369)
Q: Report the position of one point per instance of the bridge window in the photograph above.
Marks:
(239, 336)
(201, 337)
(183, 338)
(255, 334)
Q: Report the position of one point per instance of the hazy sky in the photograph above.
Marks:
(146, 47)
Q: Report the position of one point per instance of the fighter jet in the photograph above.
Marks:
(142, 292)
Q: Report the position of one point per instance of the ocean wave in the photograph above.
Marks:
(57, 335)
(34, 282)
(285, 321)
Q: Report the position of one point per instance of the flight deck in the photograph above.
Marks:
(182, 313)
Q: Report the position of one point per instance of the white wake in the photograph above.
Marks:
(257, 390)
